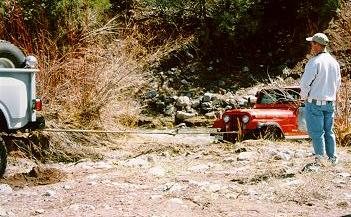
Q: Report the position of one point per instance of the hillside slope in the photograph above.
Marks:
(182, 73)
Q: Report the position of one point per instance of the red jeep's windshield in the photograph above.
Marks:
(271, 96)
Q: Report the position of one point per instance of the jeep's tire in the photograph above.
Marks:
(230, 137)
(272, 133)
(3, 157)
(11, 56)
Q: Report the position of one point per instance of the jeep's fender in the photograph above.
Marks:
(273, 126)
(14, 102)
(269, 124)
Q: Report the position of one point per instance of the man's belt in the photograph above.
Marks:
(319, 102)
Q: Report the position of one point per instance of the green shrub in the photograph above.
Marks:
(63, 20)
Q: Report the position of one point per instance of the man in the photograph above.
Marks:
(319, 85)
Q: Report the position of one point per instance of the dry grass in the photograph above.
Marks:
(92, 81)
(95, 87)
(312, 188)
(343, 116)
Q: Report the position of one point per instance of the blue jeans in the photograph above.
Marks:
(320, 121)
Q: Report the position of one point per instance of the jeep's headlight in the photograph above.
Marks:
(226, 118)
(245, 119)
(31, 62)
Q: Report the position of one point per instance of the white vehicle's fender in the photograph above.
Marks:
(14, 102)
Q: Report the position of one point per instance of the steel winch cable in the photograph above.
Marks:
(169, 132)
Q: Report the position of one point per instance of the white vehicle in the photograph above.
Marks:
(18, 101)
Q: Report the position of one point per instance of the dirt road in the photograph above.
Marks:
(181, 175)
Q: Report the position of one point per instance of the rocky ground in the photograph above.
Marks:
(182, 175)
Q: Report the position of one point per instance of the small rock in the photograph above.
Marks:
(106, 181)
(181, 125)
(210, 115)
(348, 195)
(188, 54)
(102, 165)
(157, 171)
(141, 162)
(311, 167)
(232, 196)
(214, 188)
(169, 110)
(242, 102)
(176, 200)
(151, 94)
(92, 183)
(252, 192)
(155, 197)
(207, 97)
(185, 82)
(5, 189)
(229, 160)
(67, 187)
(293, 182)
(82, 207)
(183, 101)
(343, 204)
(3, 213)
(345, 175)
(196, 103)
(172, 187)
(246, 156)
(273, 152)
(282, 156)
(150, 159)
(200, 168)
(199, 184)
(39, 211)
(49, 193)
(176, 187)
(207, 106)
(299, 154)
(239, 150)
(221, 83)
(184, 115)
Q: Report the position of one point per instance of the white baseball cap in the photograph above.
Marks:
(319, 38)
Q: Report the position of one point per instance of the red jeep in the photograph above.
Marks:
(275, 115)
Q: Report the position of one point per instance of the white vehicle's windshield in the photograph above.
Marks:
(270, 96)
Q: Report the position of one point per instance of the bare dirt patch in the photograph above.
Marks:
(37, 176)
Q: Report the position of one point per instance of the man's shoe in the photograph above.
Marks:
(318, 161)
(334, 161)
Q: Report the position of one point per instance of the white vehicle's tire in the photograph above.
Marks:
(6, 63)
(3, 157)
(11, 56)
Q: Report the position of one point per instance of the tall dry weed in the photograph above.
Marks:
(95, 87)
(343, 115)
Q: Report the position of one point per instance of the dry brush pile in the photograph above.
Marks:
(89, 74)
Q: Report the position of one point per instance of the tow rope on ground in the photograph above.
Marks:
(169, 132)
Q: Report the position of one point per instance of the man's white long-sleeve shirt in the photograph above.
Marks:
(321, 79)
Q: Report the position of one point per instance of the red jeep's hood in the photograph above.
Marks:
(262, 113)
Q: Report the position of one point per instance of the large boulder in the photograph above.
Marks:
(181, 115)
(183, 101)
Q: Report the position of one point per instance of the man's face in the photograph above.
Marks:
(315, 47)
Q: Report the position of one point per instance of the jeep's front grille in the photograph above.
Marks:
(236, 123)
